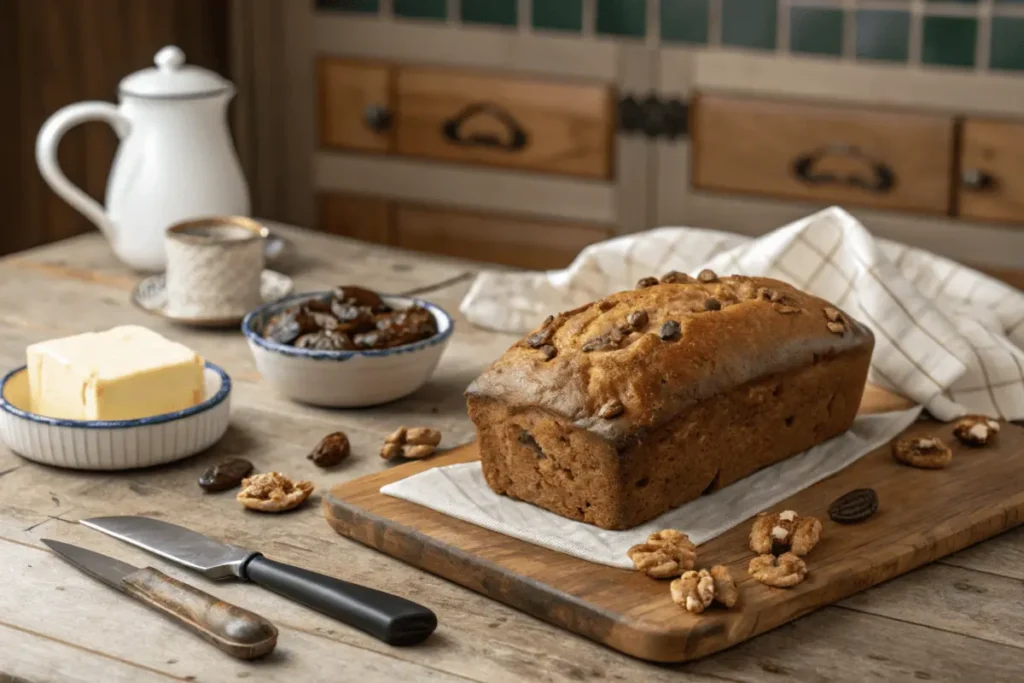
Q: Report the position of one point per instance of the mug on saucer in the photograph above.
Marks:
(214, 266)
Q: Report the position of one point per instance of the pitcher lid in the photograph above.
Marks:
(171, 78)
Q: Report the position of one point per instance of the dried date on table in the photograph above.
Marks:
(331, 450)
(225, 475)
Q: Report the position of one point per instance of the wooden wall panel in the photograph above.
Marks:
(63, 51)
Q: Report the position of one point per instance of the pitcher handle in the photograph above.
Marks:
(48, 141)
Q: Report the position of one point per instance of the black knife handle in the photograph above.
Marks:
(389, 618)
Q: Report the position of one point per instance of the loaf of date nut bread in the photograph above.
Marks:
(618, 411)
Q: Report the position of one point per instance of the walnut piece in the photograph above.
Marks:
(612, 408)
(666, 554)
(707, 275)
(693, 591)
(413, 443)
(675, 277)
(646, 282)
(548, 351)
(785, 309)
(975, 430)
(785, 530)
(726, 591)
(784, 571)
(927, 453)
(273, 492)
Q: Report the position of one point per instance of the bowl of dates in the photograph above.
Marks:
(347, 347)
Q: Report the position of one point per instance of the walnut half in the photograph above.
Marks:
(784, 530)
(666, 554)
(784, 571)
(273, 492)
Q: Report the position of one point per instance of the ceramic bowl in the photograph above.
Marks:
(346, 379)
(113, 444)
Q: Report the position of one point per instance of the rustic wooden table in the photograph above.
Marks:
(958, 619)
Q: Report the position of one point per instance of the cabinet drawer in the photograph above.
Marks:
(824, 153)
(992, 170)
(362, 218)
(509, 240)
(501, 121)
(355, 104)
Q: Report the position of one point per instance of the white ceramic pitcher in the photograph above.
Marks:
(176, 160)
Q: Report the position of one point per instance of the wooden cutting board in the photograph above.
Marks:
(923, 515)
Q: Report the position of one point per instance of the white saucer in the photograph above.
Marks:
(151, 295)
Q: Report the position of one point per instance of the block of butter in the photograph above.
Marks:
(124, 373)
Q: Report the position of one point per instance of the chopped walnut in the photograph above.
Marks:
(612, 408)
(605, 342)
(726, 591)
(273, 492)
(784, 571)
(413, 443)
(548, 351)
(670, 330)
(833, 315)
(707, 275)
(712, 304)
(665, 554)
(784, 530)
(836, 328)
(637, 320)
(606, 305)
(927, 453)
(975, 430)
(675, 277)
(785, 309)
(646, 282)
(693, 591)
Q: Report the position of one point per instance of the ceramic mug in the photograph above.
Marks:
(213, 267)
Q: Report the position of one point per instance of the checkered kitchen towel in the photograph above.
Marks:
(948, 337)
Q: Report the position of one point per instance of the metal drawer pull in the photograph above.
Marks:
(976, 179)
(882, 179)
(378, 118)
(514, 139)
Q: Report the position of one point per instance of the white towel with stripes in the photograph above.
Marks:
(946, 336)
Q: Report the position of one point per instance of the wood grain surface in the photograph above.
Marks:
(749, 145)
(996, 149)
(570, 126)
(924, 515)
(958, 619)
(370, 219)
(345, 90)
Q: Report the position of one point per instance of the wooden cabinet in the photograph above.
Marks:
(842, 154)
(991, 171)
(355, 105)
(363, 218)
(467, 117)
(511, 240)
(502, 121)
(496, 238)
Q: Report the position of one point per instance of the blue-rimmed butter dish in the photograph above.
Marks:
(113, 444)
(346, 378)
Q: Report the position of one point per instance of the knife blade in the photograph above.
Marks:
(389, 618)
(236, 631)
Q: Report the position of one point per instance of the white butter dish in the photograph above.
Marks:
(113, 444)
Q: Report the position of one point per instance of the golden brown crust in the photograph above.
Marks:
(659, 349)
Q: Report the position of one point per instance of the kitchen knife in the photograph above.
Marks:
(234, 630)
(387, 617)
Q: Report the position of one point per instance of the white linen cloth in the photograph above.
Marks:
(946, 336)
(460, 491)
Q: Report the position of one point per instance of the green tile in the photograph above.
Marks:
(883, 34)
(558, 15)
(749, 23)
(816, 31)
(949, 41)
(502, 12)
(421, 9)
(367, 6)
(621, 17)
(1007, 43)
(684, 21)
